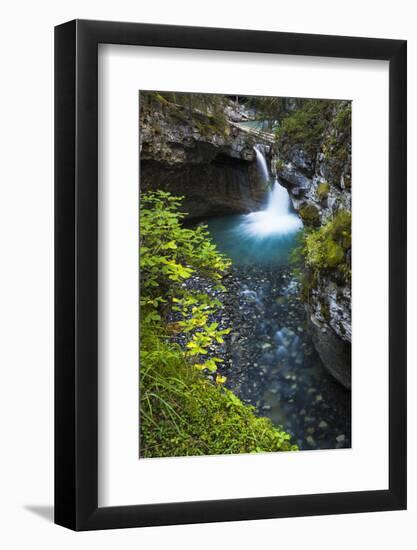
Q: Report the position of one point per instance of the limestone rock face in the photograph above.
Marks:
(319, 184)
(214, 168)
(332, 332)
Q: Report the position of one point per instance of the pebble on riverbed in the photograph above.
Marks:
(269, 359)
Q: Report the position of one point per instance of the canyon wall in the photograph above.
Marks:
(317, 173)
(213, 166)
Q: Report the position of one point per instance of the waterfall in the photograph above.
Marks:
(278, 200)
(261, 163)
(277, 218)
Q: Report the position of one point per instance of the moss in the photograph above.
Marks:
(323, 190)
(346, 240)
(279, 165)
(157, 129)
(341, 154)
(324, 310)
(336, 144)
(310, 215)
(333, 254)
(161, 99)
(326, 247)
(326, 250)
(179, 115)
(347, 181)
(209, 126)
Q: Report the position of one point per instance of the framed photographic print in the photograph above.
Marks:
(230, 275)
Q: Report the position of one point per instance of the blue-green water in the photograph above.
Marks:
(234, 238)
(270, 361)
(257, 125)
(266, 237)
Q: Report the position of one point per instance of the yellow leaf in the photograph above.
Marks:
(220, 379)
(199, 366)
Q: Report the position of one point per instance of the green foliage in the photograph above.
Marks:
(306, 125)
(323, 190)
(204, 111)
(279, 165)
(179, 115)
(184, 414)
(268, 109)
(336, 146)
(169, 255)
(210, 125)
(326, 249)
(323, 251)
(310, 215)
(342, 120)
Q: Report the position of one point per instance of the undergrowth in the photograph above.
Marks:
(306, 125)
(182, 412)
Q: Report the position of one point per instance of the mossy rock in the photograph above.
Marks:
(334, 254)
(279, 165)
(180, 116)
(323, 190)
(342, 120)
(326, 250)
(324, 310)
(310, 215)
(157, 129)
(305, 126)
(346, 240)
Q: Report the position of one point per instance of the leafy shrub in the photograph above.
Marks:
(182, 412)
(169, 255)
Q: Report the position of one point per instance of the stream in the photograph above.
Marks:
(269, 359)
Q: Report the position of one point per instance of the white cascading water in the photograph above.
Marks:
(277, 217)
(261, 163)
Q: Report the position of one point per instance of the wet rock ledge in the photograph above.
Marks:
(212, 166)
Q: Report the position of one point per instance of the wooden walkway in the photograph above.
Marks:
(267, 137)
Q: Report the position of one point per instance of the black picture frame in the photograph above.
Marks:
(76, 271)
